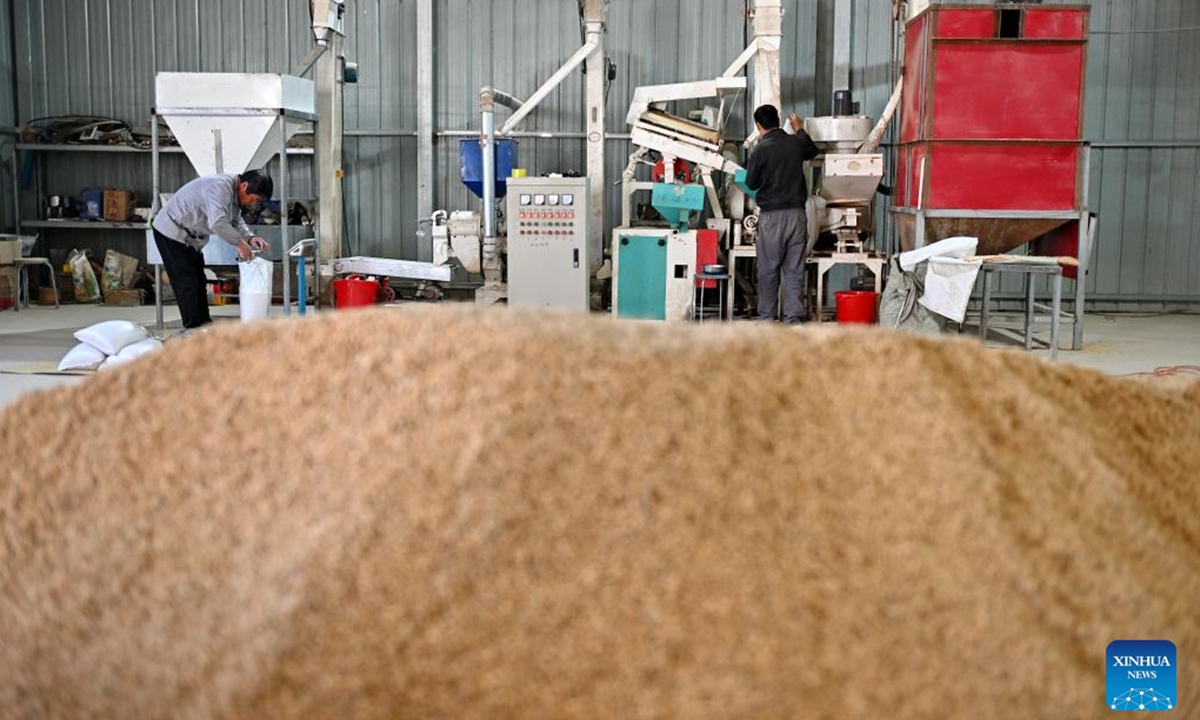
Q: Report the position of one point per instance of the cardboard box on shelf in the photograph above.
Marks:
(118, 205)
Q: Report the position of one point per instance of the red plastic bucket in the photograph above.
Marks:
(354, 291)
(856, 307)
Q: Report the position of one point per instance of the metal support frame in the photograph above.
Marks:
(824, 263)
(392, 268)
(547, 87)
(735, 253)
(283, 217)
(310, 58)
(235, 112)
(425, 130)
(282, 118)
(329, 171)
(154, 208)
(491, 249)
(1086, 234)
(629, 188)
(1028, 270)
(721, 280)
(16, 181)
(704, 157)
(595, 84)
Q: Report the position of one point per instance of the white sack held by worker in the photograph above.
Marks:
(254, 290)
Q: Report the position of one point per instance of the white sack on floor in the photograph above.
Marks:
(81, 357)
(112, 336)
(138, 349)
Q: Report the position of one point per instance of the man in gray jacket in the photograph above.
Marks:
(210, 205)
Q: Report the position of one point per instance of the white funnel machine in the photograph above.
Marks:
(228, 122)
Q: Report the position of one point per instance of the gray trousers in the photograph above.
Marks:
(781, 245)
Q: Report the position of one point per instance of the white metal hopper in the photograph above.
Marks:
(228, 122)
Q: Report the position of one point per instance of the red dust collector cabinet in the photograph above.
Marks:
(991, 136)
(993, 121)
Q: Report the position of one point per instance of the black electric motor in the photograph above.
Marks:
(843, 103)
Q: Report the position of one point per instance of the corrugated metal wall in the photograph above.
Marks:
(7, 118)
(1143, 114)
(99, 56)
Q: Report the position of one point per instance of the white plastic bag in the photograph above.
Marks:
(955, 247)
(138, 349)
(254, 289)
(112, 336)
(87, 290)
(948, 286)
(81, 357)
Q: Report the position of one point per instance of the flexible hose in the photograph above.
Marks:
(876, 136)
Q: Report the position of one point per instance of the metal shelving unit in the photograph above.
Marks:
(70, 147)
(82, 148)
(47, 147)
(85, 225)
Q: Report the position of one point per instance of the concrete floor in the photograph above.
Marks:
(1113, 344)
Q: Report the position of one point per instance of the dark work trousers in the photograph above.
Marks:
(781, 245)
(185, 266)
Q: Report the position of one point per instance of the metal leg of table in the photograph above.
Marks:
(729, 287)
(283, 212)
(820, 294)
(1055, 309)
(1029, 287)
(1086, 233)
(53, 285)
(987, 302)
(24, 293)
(158, 302)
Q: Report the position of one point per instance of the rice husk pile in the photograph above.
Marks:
(438, 513)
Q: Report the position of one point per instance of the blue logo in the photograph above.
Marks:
(1141, 675)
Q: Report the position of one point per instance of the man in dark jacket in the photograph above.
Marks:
(776, 173)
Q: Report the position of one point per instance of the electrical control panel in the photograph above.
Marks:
(548, 261)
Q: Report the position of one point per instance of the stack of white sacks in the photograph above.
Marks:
(109, 344)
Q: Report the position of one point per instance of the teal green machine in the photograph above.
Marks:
(739, 179)
(653, 268)
(676, 202)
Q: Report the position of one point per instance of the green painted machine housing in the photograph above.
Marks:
(676, 202)
(739, 179)
(640, 273)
